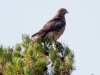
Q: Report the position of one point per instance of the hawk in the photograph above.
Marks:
(53, 28)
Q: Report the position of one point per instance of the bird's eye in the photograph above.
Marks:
(64, 12)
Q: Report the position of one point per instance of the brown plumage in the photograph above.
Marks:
(53, 28)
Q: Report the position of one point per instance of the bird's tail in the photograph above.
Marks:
(35, 37)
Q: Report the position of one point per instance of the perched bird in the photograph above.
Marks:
(53, 28)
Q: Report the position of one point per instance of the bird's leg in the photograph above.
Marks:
(46, 48)
(60, 48)
(58, 44)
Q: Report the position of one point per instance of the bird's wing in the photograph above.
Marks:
(52, 25)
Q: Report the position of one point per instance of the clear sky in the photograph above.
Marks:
(82, 32)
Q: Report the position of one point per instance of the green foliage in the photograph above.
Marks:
(27, 58)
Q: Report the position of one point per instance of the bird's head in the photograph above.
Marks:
(62, 12)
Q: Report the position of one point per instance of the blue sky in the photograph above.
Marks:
(82, 32)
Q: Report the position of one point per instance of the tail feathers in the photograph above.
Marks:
(35, 37)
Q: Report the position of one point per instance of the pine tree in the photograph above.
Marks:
(41, 58)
